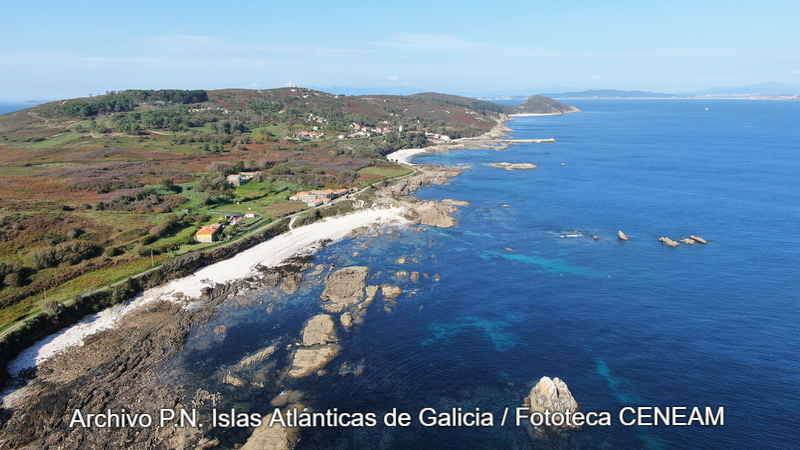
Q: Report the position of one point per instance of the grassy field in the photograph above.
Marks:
(82, 204)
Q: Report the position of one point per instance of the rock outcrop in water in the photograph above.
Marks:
(318, 346)
(688, 241)
(431, 175)
(344, 288)
(116, 369)
(513, 166)
(430, 213)
(319, 330)
(668, 241)
(699, 239)
(551, 395)
(622, 236)
(276, 437)
(390, 291)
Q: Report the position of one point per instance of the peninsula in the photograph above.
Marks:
(98, 189)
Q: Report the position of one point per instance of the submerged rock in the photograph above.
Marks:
(286, 397)
(699, 239)
(551, 395)
(622, 236)
(668, 241)
(258, 357)
(233, 380)
(453, 202)
(276, 437)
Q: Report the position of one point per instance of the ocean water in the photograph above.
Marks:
(6, 108)
(519, 292)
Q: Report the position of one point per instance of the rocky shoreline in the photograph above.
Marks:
(124, 365)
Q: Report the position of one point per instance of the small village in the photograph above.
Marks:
(314, 198)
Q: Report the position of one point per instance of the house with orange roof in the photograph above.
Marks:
(208, 233)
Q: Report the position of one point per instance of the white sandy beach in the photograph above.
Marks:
(494, 135)
(404, 156)
(267, 254)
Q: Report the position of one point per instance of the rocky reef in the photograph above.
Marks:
(318, 346)
(275, 437)
(551, 395)
(513, 166)
(668, 241)
(430, 213)
(344, 288)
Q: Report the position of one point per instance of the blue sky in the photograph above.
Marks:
(53, 50)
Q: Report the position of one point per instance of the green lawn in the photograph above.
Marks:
(386, 172)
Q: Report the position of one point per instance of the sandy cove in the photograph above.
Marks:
(496, 138)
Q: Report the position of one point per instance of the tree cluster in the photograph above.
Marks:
(69, 252)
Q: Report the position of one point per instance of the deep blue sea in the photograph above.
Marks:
(520, 292)
(11, 107)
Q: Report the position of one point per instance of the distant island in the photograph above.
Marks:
(764, 91)
(611, 93)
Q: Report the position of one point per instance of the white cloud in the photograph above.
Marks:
(596, 77)
(394, 79)
(796, 72)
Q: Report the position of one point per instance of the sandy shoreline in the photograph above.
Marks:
(490, 138)
(272, 252)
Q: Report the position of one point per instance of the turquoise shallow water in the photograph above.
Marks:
(525, 292)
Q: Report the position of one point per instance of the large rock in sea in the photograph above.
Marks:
(699, 239)
(668, 241)
(622, 236)
(513, 166)
(430, 213)
(319, 330)
(318, 347)
(344, 288)
(551, 395)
